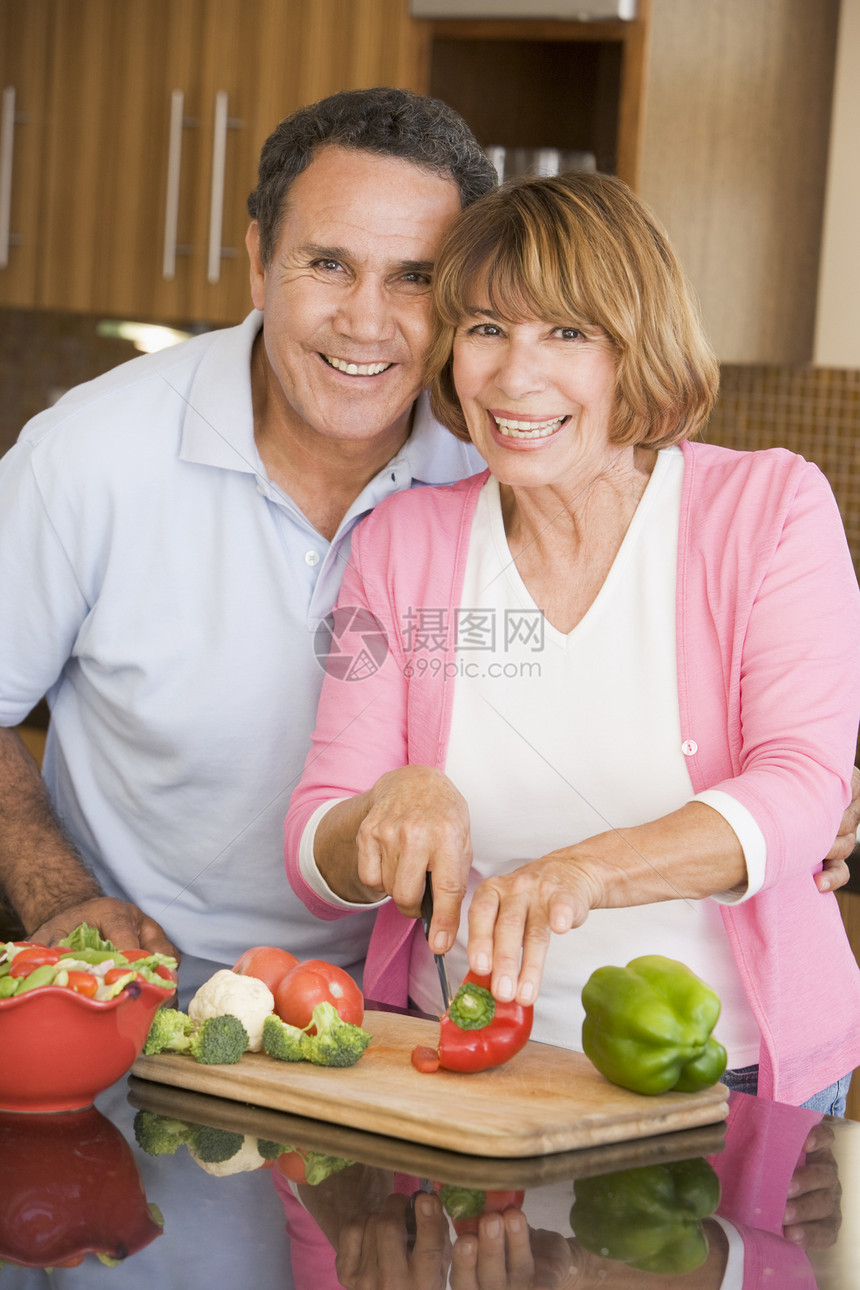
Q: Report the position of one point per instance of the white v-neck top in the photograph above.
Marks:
(555, 738)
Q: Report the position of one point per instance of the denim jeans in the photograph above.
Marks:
(830, 1101)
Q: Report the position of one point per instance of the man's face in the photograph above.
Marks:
(346, 297)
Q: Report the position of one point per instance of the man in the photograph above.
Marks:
(173, 533)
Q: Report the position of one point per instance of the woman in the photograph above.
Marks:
(621, 683)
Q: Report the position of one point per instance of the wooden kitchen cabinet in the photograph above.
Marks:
(528, 84)
(716, 111)
(152, 114)
(23, 85)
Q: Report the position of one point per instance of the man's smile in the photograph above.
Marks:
(355, 369)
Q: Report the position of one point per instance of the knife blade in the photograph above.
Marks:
(426, 918)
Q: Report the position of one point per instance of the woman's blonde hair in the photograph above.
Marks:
(580, 250)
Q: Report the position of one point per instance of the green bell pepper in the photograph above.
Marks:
(649, 1218)
(648, 1026)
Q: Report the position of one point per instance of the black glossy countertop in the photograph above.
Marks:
(82, 1180)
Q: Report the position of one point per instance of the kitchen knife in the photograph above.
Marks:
(426, 917)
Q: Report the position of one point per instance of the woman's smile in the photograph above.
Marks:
(526, 428)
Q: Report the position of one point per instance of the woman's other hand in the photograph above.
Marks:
(689, 854)
(513, 915)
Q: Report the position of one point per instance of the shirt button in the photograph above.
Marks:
(312, 557)
(689, 747)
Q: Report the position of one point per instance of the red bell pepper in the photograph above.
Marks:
(464, 1205)
(478, 1032)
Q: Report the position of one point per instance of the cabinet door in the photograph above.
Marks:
(261, 61)
(23, 84)
(114, 63)
(156, 113)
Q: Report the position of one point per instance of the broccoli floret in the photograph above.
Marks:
(158, 1135)
(213, 1146)
(282, 1041)
(336, 1042)
(169, 1032)
(318, 1167)
(271, 1150)
(218, 1041)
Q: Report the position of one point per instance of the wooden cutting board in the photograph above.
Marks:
(543, 1101)
(372, 1149)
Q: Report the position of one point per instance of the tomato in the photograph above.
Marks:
(131, 956)
(267, 963)
(168, 974)
(33, 956)
(115, 974)
(83, 983)
(313, 982)
(292, 1165)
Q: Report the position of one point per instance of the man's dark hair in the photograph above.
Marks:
(388, 122)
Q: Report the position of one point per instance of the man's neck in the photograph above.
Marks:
(321, 474)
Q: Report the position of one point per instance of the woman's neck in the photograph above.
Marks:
(564, 537)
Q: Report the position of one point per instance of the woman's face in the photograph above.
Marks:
(538, 398)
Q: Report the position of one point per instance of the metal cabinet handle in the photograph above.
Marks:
(216, 206)
(174, 167)
(7, 140)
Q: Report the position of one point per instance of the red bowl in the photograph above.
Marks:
(59, 1050)
(71, 1187)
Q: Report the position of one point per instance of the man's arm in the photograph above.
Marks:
(44, 879)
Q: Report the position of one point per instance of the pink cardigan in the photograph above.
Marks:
(768, 632)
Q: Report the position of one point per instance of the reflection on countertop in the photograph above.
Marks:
(249, 1196)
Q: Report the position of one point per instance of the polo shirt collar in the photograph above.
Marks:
(218, 427)
(431, 454)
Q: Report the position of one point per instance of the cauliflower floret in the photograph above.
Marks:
(246, 1159)
(239, 996)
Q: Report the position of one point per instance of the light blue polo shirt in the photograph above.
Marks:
(164, 593)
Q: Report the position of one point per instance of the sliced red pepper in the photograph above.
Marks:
(493, 1031)
(425, 1060)
(82, 983)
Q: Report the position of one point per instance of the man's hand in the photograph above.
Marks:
(835, 872)
(119, 922)
(813, 1213)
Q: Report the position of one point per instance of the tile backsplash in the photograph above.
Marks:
(813, 411)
